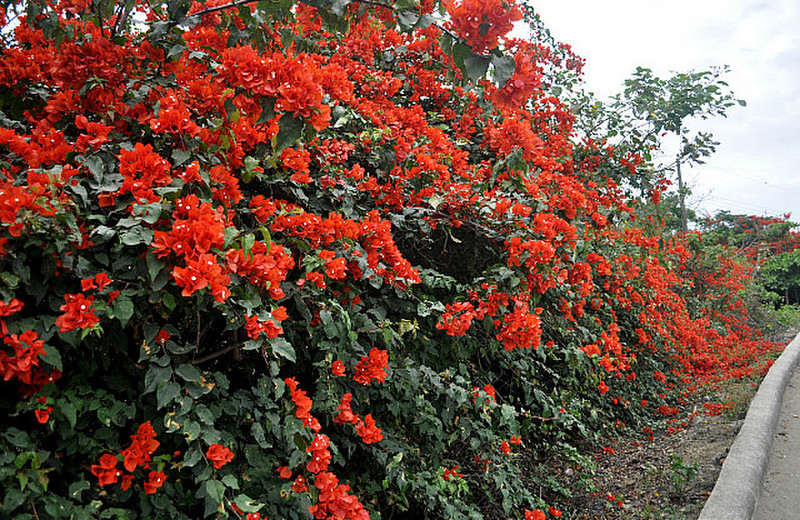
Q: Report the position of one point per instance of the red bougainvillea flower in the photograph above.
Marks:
(536, 514)
(320, 454)
(372, 367)
(42, 416)
(155, 480)
(22, 365)
(346, 414)
(299, 485)
(125, 482)
(337, 368)
(106, 471)
(505, 448)
(142, 446)
(482, 22)
(602, 387)
(78, 313)
(335, 501)
(488, 390)
(555, 512)
(7, 309)
(449, 473)
(219, 455)
(367, 430)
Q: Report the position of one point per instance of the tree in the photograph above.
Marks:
(649, 107)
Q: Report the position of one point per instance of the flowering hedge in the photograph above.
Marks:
(327, 259)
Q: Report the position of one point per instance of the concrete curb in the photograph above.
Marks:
(740, 482)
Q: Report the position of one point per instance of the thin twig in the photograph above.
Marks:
(223, 7)
(33, 506)
(218, 353)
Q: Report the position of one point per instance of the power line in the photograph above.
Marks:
(762, 182)
(743, 206)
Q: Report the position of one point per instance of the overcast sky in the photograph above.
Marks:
(756, 169)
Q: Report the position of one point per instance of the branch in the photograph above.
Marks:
(122, 19)
(218, 353)
(223, 7)
(375, 3)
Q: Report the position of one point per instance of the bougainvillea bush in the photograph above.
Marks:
(328, 259)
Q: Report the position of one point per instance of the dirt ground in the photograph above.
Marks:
(669, 477)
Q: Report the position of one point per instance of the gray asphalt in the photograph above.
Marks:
(780, 496)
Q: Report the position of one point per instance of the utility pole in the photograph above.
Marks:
(684, 226)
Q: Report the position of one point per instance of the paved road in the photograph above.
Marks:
(780, 497)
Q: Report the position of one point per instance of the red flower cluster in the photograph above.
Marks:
(143, 170)
(536, 514)
(78, 313)
(106, 471)
(482, 22)
(22, 365)
(320, 454)
(255, 327)
(452, 473)
(154, 481)
(372, 367)
(366, 429)
(143, 444)
(197, 228)
(488, 390)
(266, 266)
(303, 404)
(335, 500)
(219, 455)
(520, 329)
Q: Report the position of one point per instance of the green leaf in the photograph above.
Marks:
(504, 67)
(258, 434)
(169, 301)
(247, 244)
(230, 481)
(123, 310)
(155, 376)
(154, 265)
(149, 213)
(104, 233)
(13, 499)
(189, 372)
(135, 236)
(290, 129)
(167, 392)
(192, 457)
(191, 430)
(476, 66)
(69, 410)
(214, 492)
(267, 109)
(407, 19)
(247, 504)
(460, 53)
(180, 156)
(338, 7)
(52, 357)
(283, 348)
(76, 488)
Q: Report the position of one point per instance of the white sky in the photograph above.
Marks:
(756, 168)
